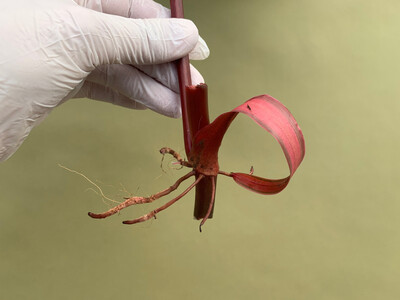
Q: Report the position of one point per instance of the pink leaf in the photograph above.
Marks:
(260, 185)
(271, 115)
(274, 117)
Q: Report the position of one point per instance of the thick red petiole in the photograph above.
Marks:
(185, 80)
(194, 103)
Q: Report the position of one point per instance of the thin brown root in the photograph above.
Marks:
(167, 150)
(162, 160)
(140, 200)
(100, 191)
(176, 155)
(168, 204)
(141, 219)
(123, 189)
(102, 198)
(210, 207)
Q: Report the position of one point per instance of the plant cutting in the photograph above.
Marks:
(203, 139)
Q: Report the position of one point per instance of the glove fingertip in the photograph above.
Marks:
(200, 51)
(174, 111)
(186, 30)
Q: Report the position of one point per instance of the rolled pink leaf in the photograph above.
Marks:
(260, 185)
(271, 115)
(274, 117)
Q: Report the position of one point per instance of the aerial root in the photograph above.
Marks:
(140, 200)
(153, 213)
(176, 155)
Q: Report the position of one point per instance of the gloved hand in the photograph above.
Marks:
(111, 50)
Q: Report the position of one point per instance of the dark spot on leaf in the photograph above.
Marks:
(248, 106)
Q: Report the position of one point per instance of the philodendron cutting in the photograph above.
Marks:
(203, 139)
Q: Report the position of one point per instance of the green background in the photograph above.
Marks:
(334, 233)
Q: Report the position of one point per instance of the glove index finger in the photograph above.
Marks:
(143, 9)
(139, 9)
(117, 40)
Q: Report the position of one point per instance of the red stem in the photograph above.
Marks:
(194, 104)
(184, 78)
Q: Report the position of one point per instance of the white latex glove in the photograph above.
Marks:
(54, 50)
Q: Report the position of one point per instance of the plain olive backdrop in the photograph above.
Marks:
(334, 233)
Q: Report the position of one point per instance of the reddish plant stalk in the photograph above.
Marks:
(184, 78)
(194, 104)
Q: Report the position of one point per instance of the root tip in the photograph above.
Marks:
(96, 216)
